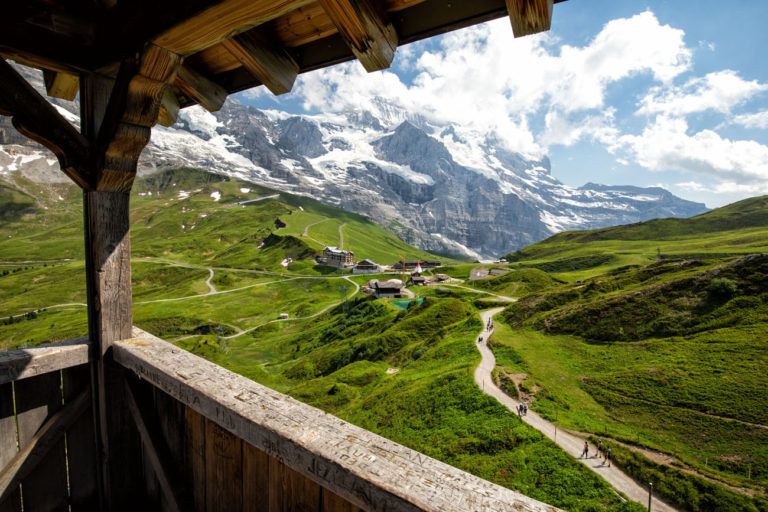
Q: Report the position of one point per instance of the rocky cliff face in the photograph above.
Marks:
(443, 188)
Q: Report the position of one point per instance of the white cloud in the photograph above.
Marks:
(666, 145)
(756, 120)
(483, 78)
(719, 91)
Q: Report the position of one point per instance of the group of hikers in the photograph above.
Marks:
(600, 450)
(522, 409)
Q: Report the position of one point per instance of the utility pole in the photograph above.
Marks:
(650, 495)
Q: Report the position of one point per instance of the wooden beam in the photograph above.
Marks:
(363, 468)
(529, 16)
(36, 118)
(201, 90)
(26, 363)
(35, 450)
(365, 29)
(269, 63)
(61, 85)
(222, 21)
(157, 451)
(169, 108)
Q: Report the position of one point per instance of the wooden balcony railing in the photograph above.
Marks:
(209, 439)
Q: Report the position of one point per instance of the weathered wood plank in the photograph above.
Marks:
(222, 21)
(265, 60)
(223, 469)
(26, 363)
(200, 89)
(61, 85)
(371, 472)
(365, 29)
(194, 442)
(256, 489)
(529, 16)
(39, 465)
(334, 503)
(8, 444)
(154, 448)
(81, 444)
(290, 490)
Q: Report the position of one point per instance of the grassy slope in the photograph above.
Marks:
(339, 363)
(657, 354)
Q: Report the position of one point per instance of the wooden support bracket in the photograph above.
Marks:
(529, 16)
(364, 27)
(36, 118)
(269, 63)
(45, 438)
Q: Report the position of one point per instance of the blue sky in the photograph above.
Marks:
(668, 92)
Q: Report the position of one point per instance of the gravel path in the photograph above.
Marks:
(571, 443)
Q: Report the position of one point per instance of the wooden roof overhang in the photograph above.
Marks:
(232, 45)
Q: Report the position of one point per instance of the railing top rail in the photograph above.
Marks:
(28, 362)
(366, 469)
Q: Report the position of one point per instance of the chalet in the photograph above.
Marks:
(412, 265)
(418, 280)
(335, 257)
(366, 267)
(390, 289)
(441, 278)
(123, 420)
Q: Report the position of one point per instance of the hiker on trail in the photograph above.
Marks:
(525, 409)
(520, 410)
(607, 453)
(480, 339)
(585, 452)
(598, 449)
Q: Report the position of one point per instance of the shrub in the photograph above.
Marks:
(722, 287)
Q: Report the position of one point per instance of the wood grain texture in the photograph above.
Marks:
(81, 444)
(169, 108)
(529, 16)
(365, 29)
(133, 108)
(8, 445)
(256, 489)
(194, 442)
(155, 450)
(367, 470)
(61, 85)
(200, 89)
(223, 468)
(26, 363)
(265, 60)
(40, 465)
(222, 21)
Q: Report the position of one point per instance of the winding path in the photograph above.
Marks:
(211, 288)
(570, 443)
(313, 315)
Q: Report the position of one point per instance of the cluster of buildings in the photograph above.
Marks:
(390, 288)
(339, 258)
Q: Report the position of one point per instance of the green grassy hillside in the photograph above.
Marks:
(658, 339)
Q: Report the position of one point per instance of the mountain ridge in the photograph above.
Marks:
(444, 188)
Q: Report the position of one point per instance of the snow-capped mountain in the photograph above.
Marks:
(444, 188)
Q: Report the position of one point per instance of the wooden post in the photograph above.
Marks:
(108, 278)
(116, 118)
